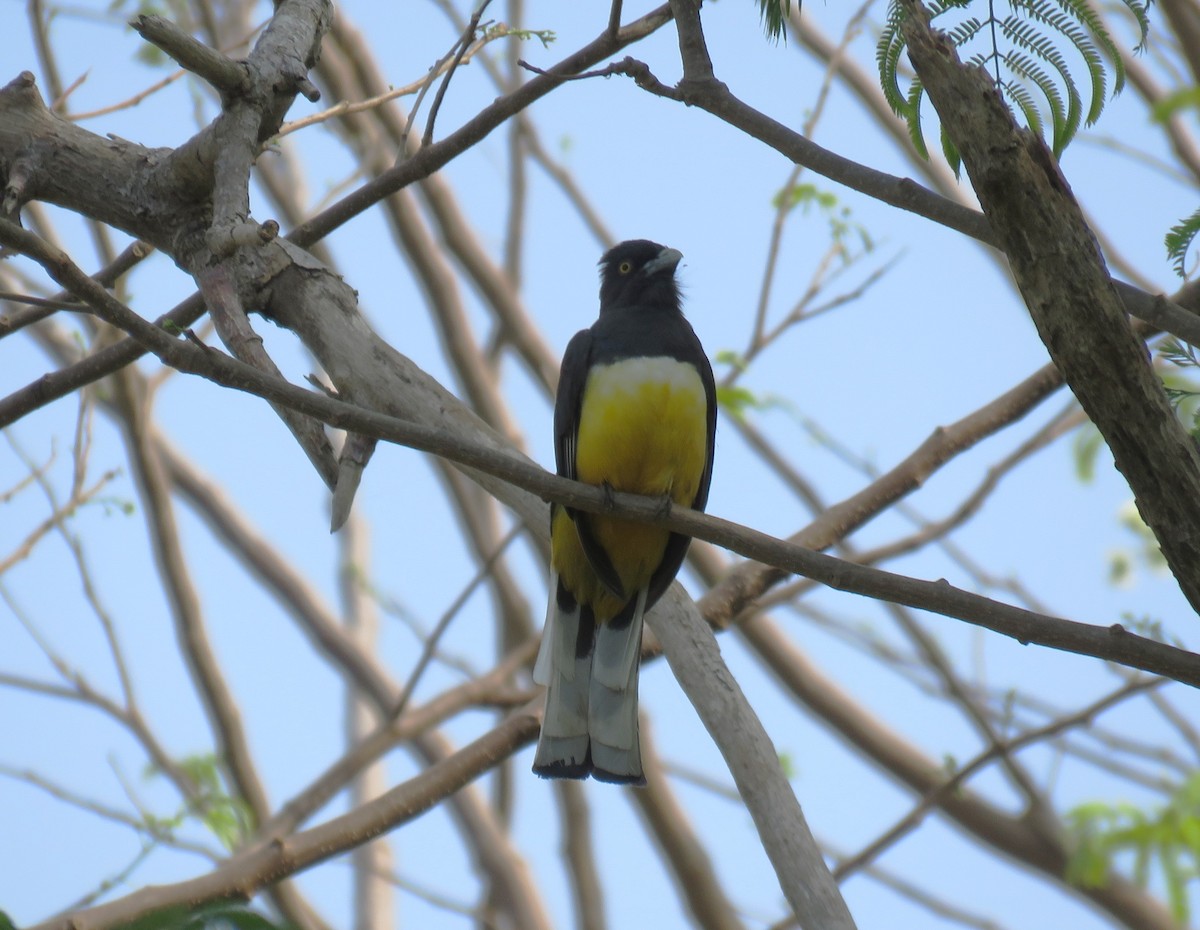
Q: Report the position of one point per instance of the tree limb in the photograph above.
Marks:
(456, 435)
(1061, 274)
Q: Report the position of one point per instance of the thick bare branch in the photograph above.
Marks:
(696, 879)
(226, 75)
(1012, 835)
(579, 856)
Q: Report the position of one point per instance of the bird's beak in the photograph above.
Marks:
(666, 260)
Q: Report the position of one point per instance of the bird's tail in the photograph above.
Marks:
(613, 700)
(563, 748)
(591, 721)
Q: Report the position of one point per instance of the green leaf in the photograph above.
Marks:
(952, 155)
(168, 918)
(219, 915)
(1176, 878)
(735, 400)
(216, 915)
(1164, 836)
(1085, 449)
(804, 195)
(1178, 396)
(887, 58)
(841, 227)
(151, 55)
(1187, 98)
(1178, 353)
(1020, 95)
(913, 114)
(227, 817)
(774, 14)
(1120, 568)
(501, 30)
(1034, 46)
(1144, 625)
(1179, 239)
(734, 360)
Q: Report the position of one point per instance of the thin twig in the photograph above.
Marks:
(960, 777)
(447, 618)
(461, 49)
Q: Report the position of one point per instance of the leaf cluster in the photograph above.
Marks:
(217, 915)
(489, 31)
(227, 817)
(774, 14)
(1181, 390)
(853, 237)
(1168, 836)
(1179, 239)
(1022, 44)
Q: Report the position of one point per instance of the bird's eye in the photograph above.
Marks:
(625, 267)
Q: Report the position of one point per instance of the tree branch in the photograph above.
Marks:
(1069, 295)
(902, 193)
(696, 879)
(256, 868)
(222, 72)
(500, 470)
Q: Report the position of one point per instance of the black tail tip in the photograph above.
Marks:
(581, 770)
(560, 769)
(633, 779)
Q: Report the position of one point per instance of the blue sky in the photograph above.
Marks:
(941, 334)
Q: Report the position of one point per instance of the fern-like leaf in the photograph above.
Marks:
(964, 32)
(951, 154)
(1141, 16)
(1179, 239)
(887, 57)
(1021, 95)
(1033, 50)
(1064, 24)
(1026, 36)
(916, 92)
(774, 14)
(1084, 12)
(1027, 69)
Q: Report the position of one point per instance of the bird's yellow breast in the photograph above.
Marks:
(643, 428)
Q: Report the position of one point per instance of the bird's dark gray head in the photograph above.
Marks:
(639, 273)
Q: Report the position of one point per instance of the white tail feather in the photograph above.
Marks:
(564, 740)
(591, 702)
(618, 651)
(545, 657)
(613, 698)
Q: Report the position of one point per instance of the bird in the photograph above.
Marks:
(635, 411)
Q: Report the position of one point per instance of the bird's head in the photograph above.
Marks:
(639, 273)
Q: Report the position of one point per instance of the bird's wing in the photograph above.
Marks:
(577, 361)
(571, 381)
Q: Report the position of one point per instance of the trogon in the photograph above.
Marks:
(635, 411)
